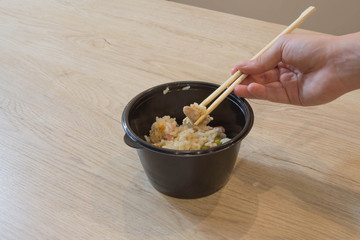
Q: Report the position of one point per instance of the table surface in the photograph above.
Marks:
(68, 68)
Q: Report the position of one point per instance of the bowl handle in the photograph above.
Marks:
(130, 142)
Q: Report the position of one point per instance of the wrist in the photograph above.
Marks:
(346, 55)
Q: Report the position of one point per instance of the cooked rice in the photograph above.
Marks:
(166, 133)
(166, 90)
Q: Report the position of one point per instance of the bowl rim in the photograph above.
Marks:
(249, 120)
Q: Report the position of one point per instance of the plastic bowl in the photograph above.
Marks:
(178, 173)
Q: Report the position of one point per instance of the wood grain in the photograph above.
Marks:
(68, 69)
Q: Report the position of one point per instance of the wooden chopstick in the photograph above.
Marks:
(239, 76)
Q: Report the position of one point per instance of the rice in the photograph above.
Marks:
(166, 90)
(166, 133)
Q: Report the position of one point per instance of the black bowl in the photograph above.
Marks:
(178, 173)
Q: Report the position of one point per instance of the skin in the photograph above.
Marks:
(303, 69)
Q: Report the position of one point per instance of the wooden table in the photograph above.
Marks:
(68, 68)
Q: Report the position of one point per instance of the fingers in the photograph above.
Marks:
(264, 78)
(267, 61)
(243, 91)
(234, 70)
(240, 65)
(275, 94)
(258, 91)
(253, 90)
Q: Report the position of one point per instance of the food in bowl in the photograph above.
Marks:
(166, 133)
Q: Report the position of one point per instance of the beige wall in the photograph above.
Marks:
(332, 16)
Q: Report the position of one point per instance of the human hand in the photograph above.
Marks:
(303, 70)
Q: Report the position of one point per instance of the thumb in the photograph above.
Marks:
(267, 61)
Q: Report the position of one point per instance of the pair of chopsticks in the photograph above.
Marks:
(238, 77)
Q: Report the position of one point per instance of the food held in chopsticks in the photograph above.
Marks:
(194, 112)
(166, 133)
